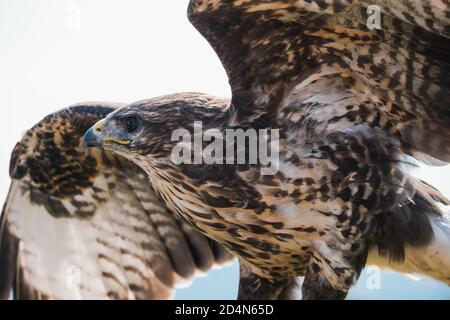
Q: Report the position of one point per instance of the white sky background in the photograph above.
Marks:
(121, 51)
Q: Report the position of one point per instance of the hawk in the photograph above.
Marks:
(355, 108)
(80, 225)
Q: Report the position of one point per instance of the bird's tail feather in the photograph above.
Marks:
(430, 258)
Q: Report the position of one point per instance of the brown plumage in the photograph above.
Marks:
(281, 55)
(80, 225)
(353, 106)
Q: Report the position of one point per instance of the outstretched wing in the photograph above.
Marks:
(319, 64)
(80, 225)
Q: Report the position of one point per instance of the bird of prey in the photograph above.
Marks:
(355, 107)
(82, 225)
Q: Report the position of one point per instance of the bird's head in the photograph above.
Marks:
(145, 128)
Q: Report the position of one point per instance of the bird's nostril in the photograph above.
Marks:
(98, 129)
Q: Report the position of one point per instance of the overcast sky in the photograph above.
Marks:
(54, 53)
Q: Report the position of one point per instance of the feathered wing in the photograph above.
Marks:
(285, 56)
(318, 68)
(82, 225)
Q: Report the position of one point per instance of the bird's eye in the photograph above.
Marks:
(131, 124)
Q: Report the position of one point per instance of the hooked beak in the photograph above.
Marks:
(96, 136)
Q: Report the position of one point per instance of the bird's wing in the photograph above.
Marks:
(80, 225)
(285, 56)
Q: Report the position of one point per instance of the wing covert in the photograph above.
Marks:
(396, 77)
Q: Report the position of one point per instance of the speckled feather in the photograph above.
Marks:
(281, 55)
(80, 225)
(331, 201)
(353, 106)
